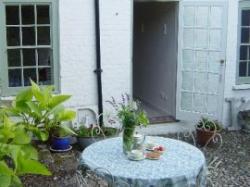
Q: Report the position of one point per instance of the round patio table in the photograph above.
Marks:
(181, 165)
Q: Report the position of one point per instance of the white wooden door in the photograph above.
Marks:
(202, 43)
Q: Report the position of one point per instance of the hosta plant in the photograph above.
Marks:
(17, 156)
(41, 111)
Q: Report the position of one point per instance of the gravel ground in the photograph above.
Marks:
(232, 165)
(234, 159)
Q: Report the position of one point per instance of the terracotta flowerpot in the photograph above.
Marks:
(204, 136)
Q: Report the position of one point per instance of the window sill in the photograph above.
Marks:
(7, 98)
(241, 87)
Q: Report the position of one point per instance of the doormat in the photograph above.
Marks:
(162, 119)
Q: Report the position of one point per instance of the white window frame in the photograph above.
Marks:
(243, 5)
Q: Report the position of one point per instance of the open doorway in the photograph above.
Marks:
(155, 58)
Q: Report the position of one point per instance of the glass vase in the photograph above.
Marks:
(128, 139)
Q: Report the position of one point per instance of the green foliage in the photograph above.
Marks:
(17, 156)
(129, 112)
(131, 115)
(96, 131)
(41, 111)
(208, 124)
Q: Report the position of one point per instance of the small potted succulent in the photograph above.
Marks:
(206, 129)
(88, 135)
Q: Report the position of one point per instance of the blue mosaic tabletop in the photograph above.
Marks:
(181, 164)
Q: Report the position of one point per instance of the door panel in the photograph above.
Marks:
(202, 38)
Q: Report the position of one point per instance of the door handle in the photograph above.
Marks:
(222, 61)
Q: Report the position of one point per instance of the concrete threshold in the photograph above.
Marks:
(167, 128)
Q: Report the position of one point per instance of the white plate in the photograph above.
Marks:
(136, 159)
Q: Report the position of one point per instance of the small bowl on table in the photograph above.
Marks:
(159, 149)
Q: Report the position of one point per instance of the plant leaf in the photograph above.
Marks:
(16, 182)
(27, 166)
(5, 180)
(66, 115)
(30, 152)
(5, 170)
(57, 100)
(24, 96)
(21, 137)
(67, 129)
(34, 108)
(37, 92)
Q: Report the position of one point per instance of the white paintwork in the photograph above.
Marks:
(201, 48)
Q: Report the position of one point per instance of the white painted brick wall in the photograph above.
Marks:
(77, 50)
(231, 59)
(78, 58)
(116, 45)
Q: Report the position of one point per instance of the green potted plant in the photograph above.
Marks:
(17, 156)
(130, 115)
(42, 112)
(206, 129)
(88, 135)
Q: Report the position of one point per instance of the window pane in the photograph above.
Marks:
(243, 69)
(29, 57)
(13, 36)
(14, 58)
(43, 34)
(29, 74)
(243, 52)
(245, 35)
(28, 16)
(44, 76)
(43, 16)
(12, 15)
(15, 78)
(245, 16)
(44, 57)
(28, 36)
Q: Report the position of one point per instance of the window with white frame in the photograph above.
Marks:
(30, 44)
(243, 66)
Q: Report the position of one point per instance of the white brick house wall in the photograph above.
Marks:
(231, 90)
(78, 56)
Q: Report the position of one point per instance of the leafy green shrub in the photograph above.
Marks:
(42, 112)
(17, 156)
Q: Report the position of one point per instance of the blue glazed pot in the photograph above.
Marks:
(60, 143)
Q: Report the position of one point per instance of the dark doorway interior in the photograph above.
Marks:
(155, 58)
